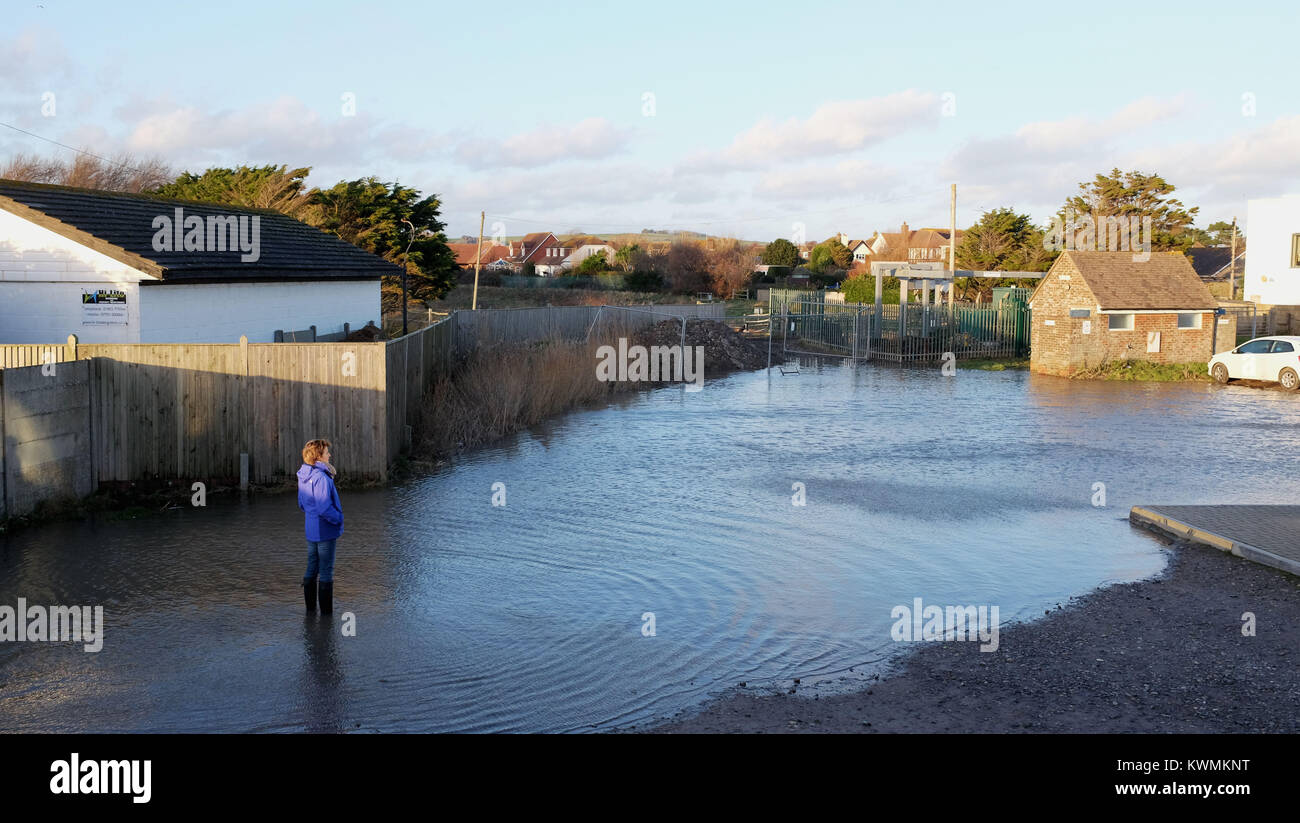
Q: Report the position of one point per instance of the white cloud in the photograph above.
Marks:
(591, 139)
(849, 178)
(833, 128)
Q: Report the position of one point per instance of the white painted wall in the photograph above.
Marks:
(1270, 277)
(583, 252)
(42, 276)
(221, 312)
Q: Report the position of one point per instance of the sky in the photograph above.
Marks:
(757, 120)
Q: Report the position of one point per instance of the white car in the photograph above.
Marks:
(1275, 359)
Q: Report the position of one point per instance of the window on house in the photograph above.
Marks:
(1189, 320)
(1295, 251)
(1121, 322)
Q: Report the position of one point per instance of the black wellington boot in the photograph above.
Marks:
(326, 597)
(309, 593)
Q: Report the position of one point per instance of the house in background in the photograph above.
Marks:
(861, 251)
(1094, 307)
(583, 252)
(83, 262)
(914, 246)
(467, 253)
(542, 249)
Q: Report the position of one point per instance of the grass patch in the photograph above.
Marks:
(1143, 370)
(1013, 364)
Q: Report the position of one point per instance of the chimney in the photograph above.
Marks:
(903, 230)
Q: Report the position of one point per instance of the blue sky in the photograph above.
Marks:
(766, 117)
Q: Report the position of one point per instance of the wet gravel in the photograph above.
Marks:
(1162, 655)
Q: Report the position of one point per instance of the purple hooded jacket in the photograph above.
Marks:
(319, 501)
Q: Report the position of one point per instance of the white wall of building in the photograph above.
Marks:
(221, 312)
(43, 276)
(1271, 277)
(583, 252)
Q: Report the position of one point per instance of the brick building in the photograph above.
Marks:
(1099, 306)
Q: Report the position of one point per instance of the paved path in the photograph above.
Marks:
(1265, 534)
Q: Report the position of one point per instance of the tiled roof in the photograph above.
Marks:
(465, 253)
(1166, 281)
(121, 227)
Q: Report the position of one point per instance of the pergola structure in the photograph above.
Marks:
(933, 276)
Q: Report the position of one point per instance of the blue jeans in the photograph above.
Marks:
(320, 560)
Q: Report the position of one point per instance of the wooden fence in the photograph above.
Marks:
(223, 412)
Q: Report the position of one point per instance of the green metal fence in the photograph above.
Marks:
(904, 333)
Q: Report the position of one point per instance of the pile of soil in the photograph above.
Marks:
(725, 350)
(369, 333)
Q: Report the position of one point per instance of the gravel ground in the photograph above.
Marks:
(1162, 655)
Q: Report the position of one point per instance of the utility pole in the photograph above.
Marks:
(952, 247)
(1232, 263)
(478, 260)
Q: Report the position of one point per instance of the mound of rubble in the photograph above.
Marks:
(725, 350)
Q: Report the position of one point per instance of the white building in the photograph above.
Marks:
(1273, 251)
(122, 268)
(583, 252)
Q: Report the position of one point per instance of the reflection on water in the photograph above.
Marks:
(974, 489)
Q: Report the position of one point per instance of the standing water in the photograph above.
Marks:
(977, 489)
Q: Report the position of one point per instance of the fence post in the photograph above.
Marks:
(4, 466)
(70, 351)
(313, 333)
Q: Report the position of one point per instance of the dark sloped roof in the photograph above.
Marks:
(121, 226)
(1165, 281)
(1210, 261)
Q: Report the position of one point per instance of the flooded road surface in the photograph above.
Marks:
(975, 489)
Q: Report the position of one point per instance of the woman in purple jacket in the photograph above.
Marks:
(319, 501)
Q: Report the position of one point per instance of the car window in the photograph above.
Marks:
(1282, 346)
(1256, 347)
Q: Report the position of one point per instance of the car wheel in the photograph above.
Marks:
(1220, 373)
(1289, 379)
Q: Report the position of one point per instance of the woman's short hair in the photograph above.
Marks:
(314, 450)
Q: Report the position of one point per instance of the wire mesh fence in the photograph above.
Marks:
(903, 333)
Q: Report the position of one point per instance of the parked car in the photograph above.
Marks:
(1276, 359)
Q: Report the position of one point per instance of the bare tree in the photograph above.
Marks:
(688, 266)
(731, 263)
(121, 173)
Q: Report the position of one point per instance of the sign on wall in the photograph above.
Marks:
(103, 307)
